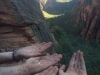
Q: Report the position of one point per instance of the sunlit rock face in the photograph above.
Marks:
(21, 24)
(42, 3)
(89, 15)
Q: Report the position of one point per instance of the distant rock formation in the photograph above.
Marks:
(21, 24)
(45, 4)
(89, 15)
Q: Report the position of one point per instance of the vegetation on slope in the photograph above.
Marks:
(67, 33)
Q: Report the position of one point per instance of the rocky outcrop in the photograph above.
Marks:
(42, 3)
(89, 15)
(21, 24)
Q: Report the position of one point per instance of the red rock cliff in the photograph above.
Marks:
(89, 15)
(21, 24)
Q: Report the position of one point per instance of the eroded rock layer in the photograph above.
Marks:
(21, 24)
(89, 15)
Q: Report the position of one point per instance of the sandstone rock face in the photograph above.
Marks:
(89, 14)
(42, 3)
(21, 24)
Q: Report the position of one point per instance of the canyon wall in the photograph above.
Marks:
(89, 16)
(22, 24)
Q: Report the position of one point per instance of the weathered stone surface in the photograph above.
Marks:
(6, 16)
(21, 24)
(5, 29)
(89, 14)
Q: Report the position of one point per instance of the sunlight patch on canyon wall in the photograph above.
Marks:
(47, 15)
(61, 1)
